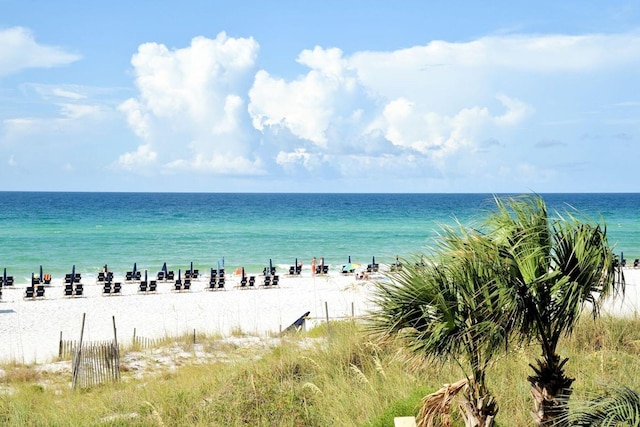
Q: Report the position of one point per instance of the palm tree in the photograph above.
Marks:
(446, 309)
(557, 268)
(620, 406)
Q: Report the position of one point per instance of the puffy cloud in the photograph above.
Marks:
(19, 50)
(191, 108)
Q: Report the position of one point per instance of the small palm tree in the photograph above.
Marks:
(556, 268)
(618, 407)
(446, 308)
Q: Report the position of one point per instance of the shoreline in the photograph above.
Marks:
(30, 330)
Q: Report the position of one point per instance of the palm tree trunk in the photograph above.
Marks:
(479, 413)
(550, 389)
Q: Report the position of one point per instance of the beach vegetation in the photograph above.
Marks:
(304, 380)
(523, 275)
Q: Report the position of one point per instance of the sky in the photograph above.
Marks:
(320, 96)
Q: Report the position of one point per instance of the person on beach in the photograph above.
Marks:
(313, 266)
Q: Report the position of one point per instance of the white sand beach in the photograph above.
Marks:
(30, 329)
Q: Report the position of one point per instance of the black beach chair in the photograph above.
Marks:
(267, 281)
(29, 292)
(153, 286)
(101, 277)
(106, 289)
(252, 281)
(68, 290)
(243, 282)
(79, 290)
(142, 287)
(117, 287)
(40, 291)
(187, 284)
(275, 280)
(221, 283)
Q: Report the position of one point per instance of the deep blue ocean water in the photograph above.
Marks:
(88, 230)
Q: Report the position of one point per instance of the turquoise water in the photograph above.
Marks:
(88, 230)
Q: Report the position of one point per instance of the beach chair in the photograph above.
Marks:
(636, 263)
(170, 275)
(137, 276)
(143, 286)
(9, 281)
(101, 277)
(79, 290)
(109, 276)
(40, 291)
(117, 287)
(298, 270)
(153, 286)
(187, 284)
(106, 289)
(160, 276)
(221, 283)
(35, 280)
(29, 292)
(47, 279)
(275, 280)
(243, 282)
(67, 278)
(292, 270)
(77, 278)
(195, 273)
(68, 290)
(267, 281)
(187, 274)
(128, 276)
(178, 285)
(252, 281)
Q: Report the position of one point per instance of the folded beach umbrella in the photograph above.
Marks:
(145, 276)
(178, 274)
(349, 261)
(135, 268)
(191, 271)
(243, 272)
(40, 273)
(373, 260)
(73, 273)
(270, 265)
(218, 270)
(4, 276)
(164, 268)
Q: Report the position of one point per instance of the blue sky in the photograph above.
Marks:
(320, 96)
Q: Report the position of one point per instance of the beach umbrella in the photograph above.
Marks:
(350, 267)
(373, 260)
(145, 276)
(349, 261)
(218, 270)
(243, 272)
(135, 268)
(4, 276)
(40, 273)
(191, 267)
(32, 279)
(164, 268)
(73, 273)
(270, 265)
(179, 274)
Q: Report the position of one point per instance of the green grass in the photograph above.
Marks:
(307, 380)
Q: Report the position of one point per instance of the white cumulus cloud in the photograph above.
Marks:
(191, 105)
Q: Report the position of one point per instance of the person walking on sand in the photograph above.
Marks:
(313, 266)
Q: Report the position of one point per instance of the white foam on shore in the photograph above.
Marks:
(30, 329)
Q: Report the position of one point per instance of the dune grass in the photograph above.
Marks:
(308, 379)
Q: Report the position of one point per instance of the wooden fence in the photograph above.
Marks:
(95, 363)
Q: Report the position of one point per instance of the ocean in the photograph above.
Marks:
(88, 230)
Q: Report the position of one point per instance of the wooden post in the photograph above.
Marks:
(116, 356)
(76, 366)
(60, 347)
(134, 336)
(194, 335)
(326, 310)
